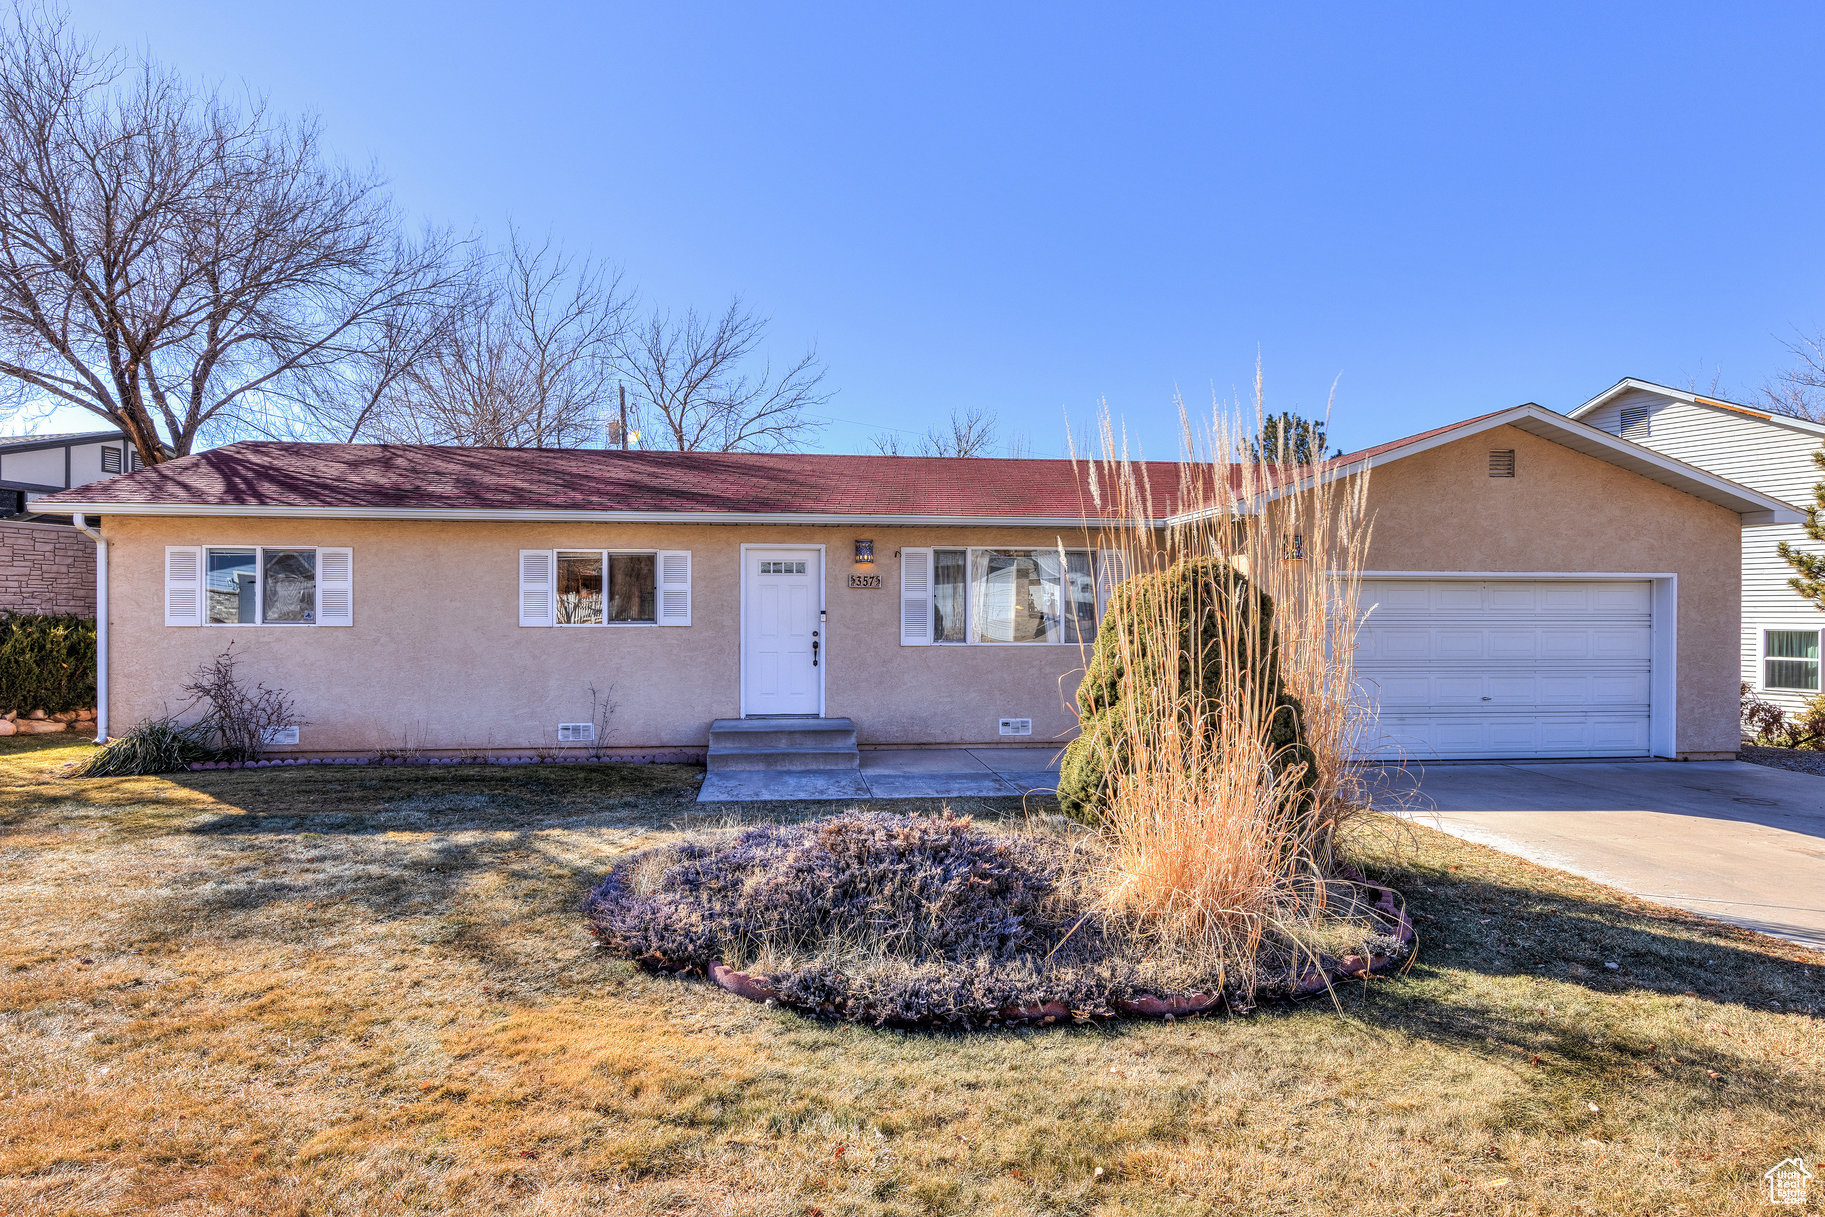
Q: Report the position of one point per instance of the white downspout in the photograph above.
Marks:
(101, 627)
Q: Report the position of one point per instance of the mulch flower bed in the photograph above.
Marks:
(915, 921)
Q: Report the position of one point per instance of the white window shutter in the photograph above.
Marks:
(184, 594)
(336, 586)
(538, 587)
(1111, 569)
(674, 587)
(915, 597)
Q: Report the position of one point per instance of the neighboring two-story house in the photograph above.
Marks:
(46, 565)
(1764, 451)
(34, 465)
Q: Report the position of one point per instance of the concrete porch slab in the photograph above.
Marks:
(777, 785)
(923, 760)
(1040, 779)
(985, 785)
(1019, 760)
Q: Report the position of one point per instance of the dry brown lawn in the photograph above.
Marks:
(366, 991)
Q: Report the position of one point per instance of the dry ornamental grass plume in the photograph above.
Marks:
(1220, 709)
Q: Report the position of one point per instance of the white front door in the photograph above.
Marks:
(781, 644)
(1492, 668)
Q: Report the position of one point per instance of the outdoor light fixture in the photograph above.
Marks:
(864, 553)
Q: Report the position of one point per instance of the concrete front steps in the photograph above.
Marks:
(782, 743)
(758, 760)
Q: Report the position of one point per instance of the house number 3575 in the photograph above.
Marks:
(865, 581)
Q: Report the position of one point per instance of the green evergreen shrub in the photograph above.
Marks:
(1170, 617)
(46, 663)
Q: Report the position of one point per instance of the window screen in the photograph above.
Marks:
(632, 580)
(230, 586)
(950, 587)
(580, 589)
(289, 577)
(1790, 659)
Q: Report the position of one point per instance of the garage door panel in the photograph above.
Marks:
(1508, 668)
(1460, 644)
(1452, 598)
(1513, 642)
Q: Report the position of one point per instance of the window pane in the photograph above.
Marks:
(1792, 659)
(1079, 598)
(1014, 595)
(290, 583)
(950, 582)
(580, 589)
(231, 580)
(632, 580)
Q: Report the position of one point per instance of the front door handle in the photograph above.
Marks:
(814, 648)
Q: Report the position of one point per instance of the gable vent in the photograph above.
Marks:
(576, 733)
(1635, 424)
(110, 460)
(1501, 463)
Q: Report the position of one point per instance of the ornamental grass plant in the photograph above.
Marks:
(1220, 709)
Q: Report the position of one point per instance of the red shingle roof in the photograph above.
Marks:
(395, 477)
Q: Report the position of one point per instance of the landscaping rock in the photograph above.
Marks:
(65, 716)
(6, 727)
(39, 726)
(36, 714)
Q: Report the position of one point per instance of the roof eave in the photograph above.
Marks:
(1753, 506)
(1629, 384)
(533, 515)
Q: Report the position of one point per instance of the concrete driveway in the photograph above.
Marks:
(1739, 842)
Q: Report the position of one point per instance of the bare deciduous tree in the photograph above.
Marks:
(696, 386)
(180, 265)
(971, 433)
(1800, 390)
(523, 359)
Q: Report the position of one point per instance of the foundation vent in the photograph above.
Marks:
(1016, 726)
(576, 733)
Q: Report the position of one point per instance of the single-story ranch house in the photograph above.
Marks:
(1540, 588)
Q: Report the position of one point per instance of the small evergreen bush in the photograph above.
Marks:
(46, 663)
(1155, 622)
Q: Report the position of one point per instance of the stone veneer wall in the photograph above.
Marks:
(46, 568)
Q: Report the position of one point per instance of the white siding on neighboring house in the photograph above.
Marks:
(1769, 455)
(41, 466)
(1762, 454)
(1769, 602)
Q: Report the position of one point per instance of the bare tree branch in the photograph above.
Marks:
(1800, 390)
(523, 358)
(176, 264)
(970, 432)
(696, 386)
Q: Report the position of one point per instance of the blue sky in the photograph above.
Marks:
(1442, 209)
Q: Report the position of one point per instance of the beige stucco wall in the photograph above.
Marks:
(436, 659)
(1564, 511)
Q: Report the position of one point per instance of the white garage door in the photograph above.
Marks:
(1469, 668)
